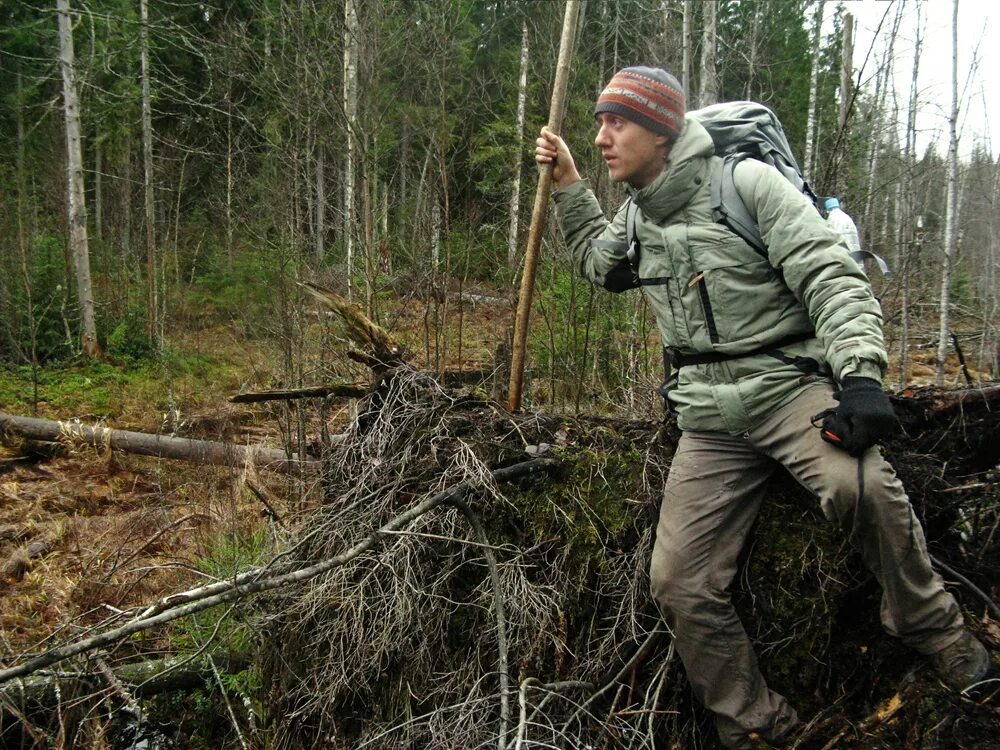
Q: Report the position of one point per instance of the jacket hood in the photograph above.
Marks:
(686, 170)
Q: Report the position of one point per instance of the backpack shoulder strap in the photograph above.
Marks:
(728, 207)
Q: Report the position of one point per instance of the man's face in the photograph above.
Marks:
(633, 154)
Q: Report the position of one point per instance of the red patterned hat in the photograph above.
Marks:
(650, 97)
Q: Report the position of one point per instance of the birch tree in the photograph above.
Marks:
(907, 222)
(351, 116)
(77, 213)
(951, 205)
(515, 192)
(817, 38)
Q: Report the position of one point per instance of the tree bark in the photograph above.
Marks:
(79, 247)
(911, 235)
(686, 49)
(951, 206)
(152, 306)
(846, 74)
(515, 191)
(708, 91)
(145, 444)
(817, 40)
(351, 116)
(320, 203)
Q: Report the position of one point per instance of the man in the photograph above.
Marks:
(763, 348)
(841, 223)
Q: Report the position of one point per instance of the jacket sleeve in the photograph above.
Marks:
(599, 247)
(812, 260)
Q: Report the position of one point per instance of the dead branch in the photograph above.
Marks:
(365, 334)
(251, 582)
(146, 444)
(340, 390)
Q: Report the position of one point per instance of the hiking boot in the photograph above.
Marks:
(963, 663)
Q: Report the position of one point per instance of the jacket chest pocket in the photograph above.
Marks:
(658, 285)
(739, 298)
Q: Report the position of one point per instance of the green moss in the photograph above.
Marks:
(588, 508)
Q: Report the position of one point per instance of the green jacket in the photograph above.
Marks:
(711, 292)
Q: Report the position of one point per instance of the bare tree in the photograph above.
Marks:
(907, 223)
(951, 206)
(515, 192)
(846, 74)
(686, 49)
(351, 115)
(74, 184)
(817, 38)
(147, 162)
(708, 91)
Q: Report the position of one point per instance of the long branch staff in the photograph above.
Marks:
(556, 107)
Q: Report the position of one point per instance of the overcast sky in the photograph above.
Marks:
(978, 45)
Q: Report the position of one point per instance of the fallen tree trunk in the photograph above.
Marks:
(142, 679)
(341, 390)
(146, 444)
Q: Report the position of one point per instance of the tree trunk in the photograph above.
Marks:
(98, 191)
(229, 176)
(74, 177)
(145, 444)
(152, 306)
(912, 232)
(846, 74)
(708, 91)
(320, 203)
(686, 43)
(951, 206)
(515, 192)
(754, 43)
(817, 41)
(989, 347)
(883, 80)
(351, 116)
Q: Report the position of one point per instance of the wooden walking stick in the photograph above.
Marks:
(540, 209)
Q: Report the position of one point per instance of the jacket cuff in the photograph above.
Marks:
(863, 369)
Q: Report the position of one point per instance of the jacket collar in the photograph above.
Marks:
(685, 172)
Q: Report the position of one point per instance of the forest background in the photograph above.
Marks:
(382, 149)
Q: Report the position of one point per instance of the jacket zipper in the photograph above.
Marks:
(706, 303)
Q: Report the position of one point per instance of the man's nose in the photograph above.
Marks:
(602, 137)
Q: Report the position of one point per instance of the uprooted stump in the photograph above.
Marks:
(519, 615)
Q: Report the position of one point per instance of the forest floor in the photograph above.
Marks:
(84, 531)
(84, 528)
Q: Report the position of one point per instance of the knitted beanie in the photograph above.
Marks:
(650, 97)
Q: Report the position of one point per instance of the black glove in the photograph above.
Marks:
(864, 416)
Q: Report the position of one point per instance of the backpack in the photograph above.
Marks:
(743, 130)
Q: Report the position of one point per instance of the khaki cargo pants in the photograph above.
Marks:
(711, 498)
